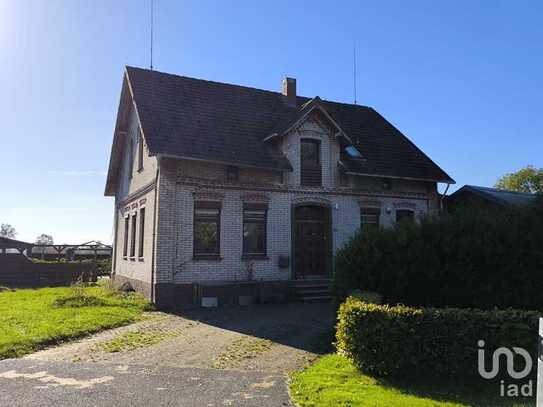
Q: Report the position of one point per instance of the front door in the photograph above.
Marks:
(311, 241)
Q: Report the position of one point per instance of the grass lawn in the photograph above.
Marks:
(31, 319)
(334, 381)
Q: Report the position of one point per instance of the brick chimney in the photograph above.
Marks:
(289, 90)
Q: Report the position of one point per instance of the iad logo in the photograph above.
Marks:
(512, 389)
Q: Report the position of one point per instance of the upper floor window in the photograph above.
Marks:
(232, 173)
(405, 215)
(310, 162)
(140, 151)
(130, 157)
(125, 236)
(142, 233)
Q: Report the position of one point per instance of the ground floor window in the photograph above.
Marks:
(133, 235)
(142, 233)
(254, 229)
(405, 215)
(369, 218)
(207, 226)
(125, 237)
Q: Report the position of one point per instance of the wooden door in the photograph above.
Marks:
(311, 241)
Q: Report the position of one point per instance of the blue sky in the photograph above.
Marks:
(463, 79)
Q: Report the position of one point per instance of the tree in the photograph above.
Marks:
(529, 179)
(6, 230)
(44, 239)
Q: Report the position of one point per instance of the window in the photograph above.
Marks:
(133, 235)
(232, 173)
(125, 237)
(207, 228)
(254, 230)
(405, 215)
(369, 218)
(130, 157)
(310, 163)
(140, 151)
(142, 232)
(353, 152)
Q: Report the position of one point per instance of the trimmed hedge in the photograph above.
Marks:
(472, 258)
(399, 341)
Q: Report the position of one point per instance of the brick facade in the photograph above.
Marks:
(168, 261)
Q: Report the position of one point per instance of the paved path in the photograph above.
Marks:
(229, 356)
(24, 382)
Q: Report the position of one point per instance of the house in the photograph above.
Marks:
(223, 190)
(488, 197)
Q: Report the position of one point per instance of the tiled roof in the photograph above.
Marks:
(199, 119)
(499, 196)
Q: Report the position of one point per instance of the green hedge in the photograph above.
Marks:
(472, 258)
(399, 341)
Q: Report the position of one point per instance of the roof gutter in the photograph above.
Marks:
(448, 182)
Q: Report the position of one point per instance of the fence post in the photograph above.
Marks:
(539, 395)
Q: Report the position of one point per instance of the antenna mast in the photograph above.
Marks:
(152, 12)
(354, 73)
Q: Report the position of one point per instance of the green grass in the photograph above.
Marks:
(334, 381)
(32, 319)
(133, 340)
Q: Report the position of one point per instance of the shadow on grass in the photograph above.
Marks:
(477, 392)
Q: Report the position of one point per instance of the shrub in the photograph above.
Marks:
(399, 341)
(471, 258)
(367, 296)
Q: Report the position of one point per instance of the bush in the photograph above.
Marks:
(427, 342)
(471, 258)
(367, 296)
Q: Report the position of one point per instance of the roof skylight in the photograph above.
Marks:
(353, 152)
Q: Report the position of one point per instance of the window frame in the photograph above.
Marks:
(141, 233)
(133, 235)
(371, 211)
(125, 237)
(232, 173)
(140, 151)
(130, 157)
(262, 221)
(216, 255)
(315, 168)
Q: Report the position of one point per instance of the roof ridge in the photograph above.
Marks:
(499, 190)
(242, 86)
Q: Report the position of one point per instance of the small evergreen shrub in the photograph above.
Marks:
(400, 341)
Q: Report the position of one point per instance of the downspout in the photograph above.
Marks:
(154, 233)
(443, 197)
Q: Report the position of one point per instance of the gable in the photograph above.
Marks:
(210, 121)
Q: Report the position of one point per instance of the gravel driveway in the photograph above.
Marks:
(227, 356)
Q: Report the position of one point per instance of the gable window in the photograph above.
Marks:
(310, 162)
(125, 237)
(133, 235)
(130, 157)
(369, 218)
(232, 173)
(254, 230)
(405, 215)
(207, 229)
(142, 233)
(140, 151)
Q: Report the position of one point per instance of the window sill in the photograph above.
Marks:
(132, 259)
(140, 170)
(254, 257)
(141, 259)
(204, 257)
(125, 258)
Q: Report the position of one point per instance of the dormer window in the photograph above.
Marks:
(310, 162)
(353, 152)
